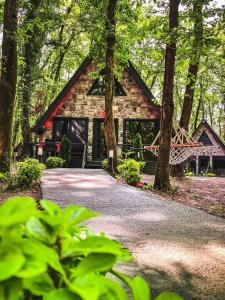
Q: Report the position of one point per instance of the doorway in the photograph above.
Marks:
(99, 151)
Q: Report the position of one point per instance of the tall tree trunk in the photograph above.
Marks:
(8, 82)
(178, 170)
(32, 49)
(109, 79)
(162, 181)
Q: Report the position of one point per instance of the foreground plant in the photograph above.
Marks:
(47, 254)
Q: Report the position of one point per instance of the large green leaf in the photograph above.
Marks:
(169, 296)
(92, 244)
(61, 294)
(35, 262)
(16, 210)
(51, 214)
(95, 262)
(41, 231)
(111, 290)
(11, 261)
(75, 214)
(140, 289)
(86, 286)
(39, 285)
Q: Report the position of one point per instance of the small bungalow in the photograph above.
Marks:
(211, 153)
(78, 112)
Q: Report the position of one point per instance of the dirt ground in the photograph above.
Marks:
(204, 193)
(32, 192)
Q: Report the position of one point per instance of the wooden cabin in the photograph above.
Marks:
(212, 153)
(78, 112)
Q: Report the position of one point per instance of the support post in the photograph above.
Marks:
(197, 165)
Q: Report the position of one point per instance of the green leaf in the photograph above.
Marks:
(92, 244)
(86, 286)
(11, 261)
(140, 289)
(11, 290)
(17, 210)
(35, 263)
(169, 296)
(95, 262)
(111, 290)
(61, 294)
(39, 285)
(51, 214)
(75, 214)
(41, 231)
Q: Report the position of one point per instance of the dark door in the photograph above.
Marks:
(99, 145)
(203, 163)
(76, 129)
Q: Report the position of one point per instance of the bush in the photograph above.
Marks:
(189, 174)
(55, 162)
(28, 171)
(105, 164)
(130, 170)
(2, 177)
(209, 174)
(65, 149)
(138, 145)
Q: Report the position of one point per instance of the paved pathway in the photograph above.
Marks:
(175, 247)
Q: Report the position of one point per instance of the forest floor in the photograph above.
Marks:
(204, 193)
(34, 192)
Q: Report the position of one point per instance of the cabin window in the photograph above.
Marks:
(98, 87)
(205, 140)
(148, 130)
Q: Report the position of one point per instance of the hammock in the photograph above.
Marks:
(182, 146)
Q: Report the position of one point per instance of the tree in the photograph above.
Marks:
(162, 181)
(110, 36)
(8, 82)
(193, 68)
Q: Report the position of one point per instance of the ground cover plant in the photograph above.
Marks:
(65, 149)
(48, 254)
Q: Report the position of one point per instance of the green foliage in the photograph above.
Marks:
(209, 174)
(2, 177)
(105, 164)
(189, 174)
(28, 171)
(65, 150)
(209, 169)
(47, 254)
(138, 145)
(55, 162)
(130, 170)
(148, 186)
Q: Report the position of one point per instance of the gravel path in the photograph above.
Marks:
(175, 247)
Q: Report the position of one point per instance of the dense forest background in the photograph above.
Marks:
(54, 36)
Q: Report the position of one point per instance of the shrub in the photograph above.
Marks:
(189, 174)
(209, 174)
(65, 149)
(2, 177)
(48, 255)
(130, 170)
(28, 171)
(138, 145)
(55, 162)
(105, 164)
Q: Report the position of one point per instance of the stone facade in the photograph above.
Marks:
(77, 104)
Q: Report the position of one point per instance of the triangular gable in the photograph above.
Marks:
(204, 139)
(61, 98)
(204, 125)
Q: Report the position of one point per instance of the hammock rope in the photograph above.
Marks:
(182, 146)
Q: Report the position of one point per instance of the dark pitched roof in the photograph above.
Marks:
(209, 128)
(75, 77)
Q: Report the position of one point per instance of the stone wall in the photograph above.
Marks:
(132, 106)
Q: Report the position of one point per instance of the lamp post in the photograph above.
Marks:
(111, 155)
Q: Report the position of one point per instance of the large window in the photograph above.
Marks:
(204, 138)
(148, 130)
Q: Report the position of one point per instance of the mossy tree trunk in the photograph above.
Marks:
(8, 82)
(178, 170)
(162, 181)
(109, 79)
